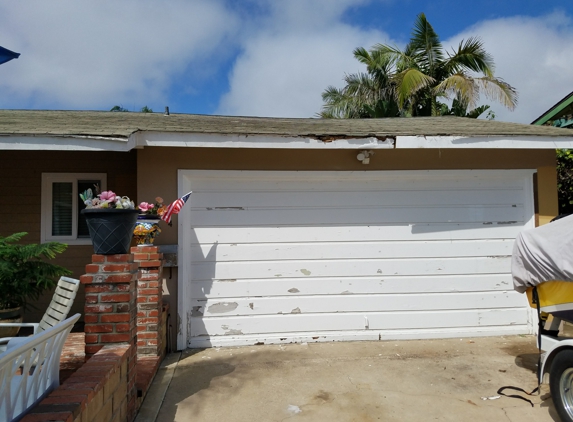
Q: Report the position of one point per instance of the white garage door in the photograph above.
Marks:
(279, 257)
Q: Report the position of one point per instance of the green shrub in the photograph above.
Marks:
(565, 180)
(24, 272)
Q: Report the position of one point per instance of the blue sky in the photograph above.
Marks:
(259, 57)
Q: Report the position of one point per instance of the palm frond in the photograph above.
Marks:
(339, 104)
(334, 103)
(425, 45)
(478, 111)
(362, 55)
(460, 86)
(394, 56)
(470, 56)
(409, 82)
(498, 90)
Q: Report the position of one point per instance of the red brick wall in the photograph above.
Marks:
(96, 392)
(110, 311)
(149, 301)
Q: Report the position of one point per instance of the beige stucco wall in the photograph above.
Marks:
(20, 199)
(157, 173)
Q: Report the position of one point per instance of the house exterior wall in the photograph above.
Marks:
(20, 199)
(157, 167)
(547, 200)
(157, 173)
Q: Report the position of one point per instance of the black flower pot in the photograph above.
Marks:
(111, 230)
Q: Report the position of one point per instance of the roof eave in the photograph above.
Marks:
(207, 140)
(64, 143)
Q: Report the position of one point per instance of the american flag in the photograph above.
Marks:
(175, 207)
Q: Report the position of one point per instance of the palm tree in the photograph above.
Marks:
(424, 73)
(409, 82)
(370, 94)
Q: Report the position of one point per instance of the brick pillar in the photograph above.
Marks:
(149, 301)
(110, 311)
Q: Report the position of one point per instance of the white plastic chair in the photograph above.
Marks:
(30, 369)
(57, 311)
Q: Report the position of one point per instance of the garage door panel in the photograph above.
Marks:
(309, 215)
(266, 324)
(347, 250)
(356, 303)
(348, 285)
(349, 268)
(355, 335)
(348, 181)
(345, 233)
(274, 199)
(273, 253)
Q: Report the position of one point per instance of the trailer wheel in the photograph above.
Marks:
(561, 384)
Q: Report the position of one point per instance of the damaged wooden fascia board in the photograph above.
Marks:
(388, 141)
(264, 141)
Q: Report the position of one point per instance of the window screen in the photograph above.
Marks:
(62, 208)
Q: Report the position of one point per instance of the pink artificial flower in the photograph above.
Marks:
(107, 196)
(144, 206)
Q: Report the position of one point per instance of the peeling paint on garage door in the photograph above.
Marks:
(274, 257)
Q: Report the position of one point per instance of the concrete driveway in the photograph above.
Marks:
(422, 380)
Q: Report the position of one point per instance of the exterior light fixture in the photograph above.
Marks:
(364, 156)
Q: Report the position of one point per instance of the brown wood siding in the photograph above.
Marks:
(20, 199)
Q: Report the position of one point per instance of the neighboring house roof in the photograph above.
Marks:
(97, 130)
(561, 109)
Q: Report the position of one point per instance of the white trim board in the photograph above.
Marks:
(208, 140)
(143, 139)
(483, 142)
(64, 143)
(201, 140)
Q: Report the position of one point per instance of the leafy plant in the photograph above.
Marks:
(24, 272)
(565, 180)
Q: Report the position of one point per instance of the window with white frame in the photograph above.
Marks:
(61, 206)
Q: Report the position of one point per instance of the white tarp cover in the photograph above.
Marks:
(543, 254)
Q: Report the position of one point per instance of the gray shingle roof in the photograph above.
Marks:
(121, 125)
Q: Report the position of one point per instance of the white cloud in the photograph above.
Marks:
(535, 55)
(95, 54)
(301, 49)
(99, 53)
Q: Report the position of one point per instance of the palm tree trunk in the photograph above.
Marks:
(434, 111)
